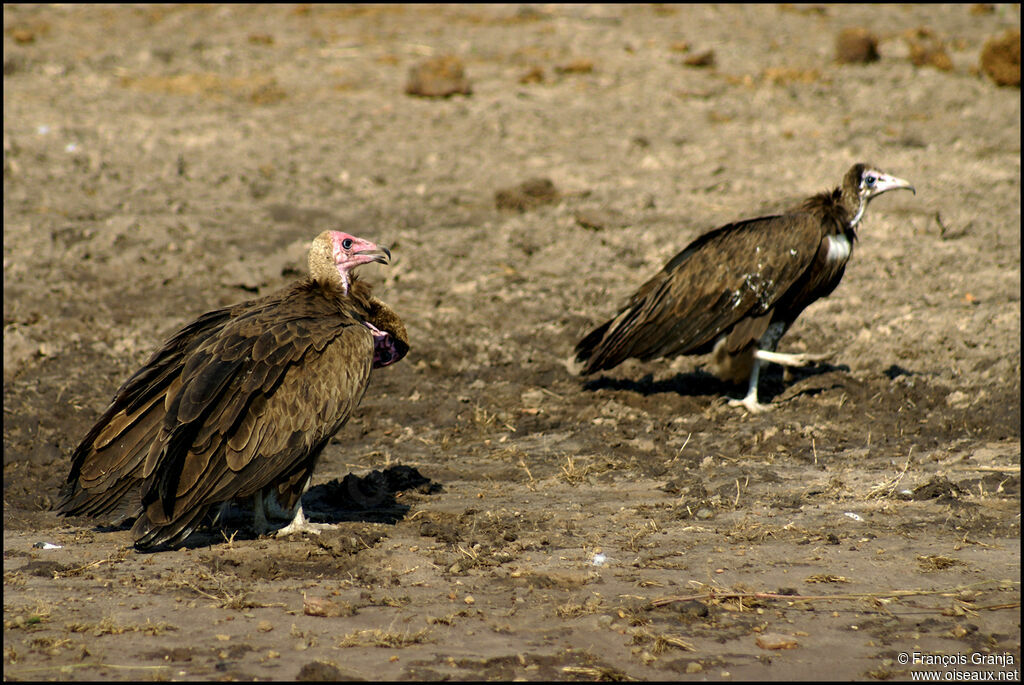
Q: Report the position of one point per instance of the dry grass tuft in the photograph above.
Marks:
(574, 609)
(382, 638)
(108, 626)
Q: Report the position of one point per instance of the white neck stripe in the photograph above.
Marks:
(838, 248)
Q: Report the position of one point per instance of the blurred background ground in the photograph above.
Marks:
(161, 161)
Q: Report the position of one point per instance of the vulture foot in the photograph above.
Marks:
(300, 525)
(784, 359)
(751, 404)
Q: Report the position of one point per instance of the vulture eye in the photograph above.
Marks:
(347, 243)
(869, 180)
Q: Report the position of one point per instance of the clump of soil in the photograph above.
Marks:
(927, 49)
(1000, 59)
(439, 77)
(531, 193)
(856, 45)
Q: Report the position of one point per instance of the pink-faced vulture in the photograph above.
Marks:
(734, 291)
(239, 403)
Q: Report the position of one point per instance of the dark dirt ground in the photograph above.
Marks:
(160, 161)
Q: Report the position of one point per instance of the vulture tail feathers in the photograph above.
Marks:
(152, 537)
(586, 349)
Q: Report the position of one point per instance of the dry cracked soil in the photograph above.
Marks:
(494, 516)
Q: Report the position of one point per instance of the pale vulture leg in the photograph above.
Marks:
(750, 401)
(781, 358)
(259, 515)
(766, 353)
(784, 359)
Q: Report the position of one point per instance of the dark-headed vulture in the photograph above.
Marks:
(239, 403)
(737, 289)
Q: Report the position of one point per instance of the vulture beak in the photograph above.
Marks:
(374, 254)
(885, 182)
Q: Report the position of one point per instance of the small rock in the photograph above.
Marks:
(528, 194)
(577, 66)
(321, 671)
(927, 49)
(533, 75)
(1000, 59)
(599, 219)
(776, 641)
(690, 609)
(321, 606)
(703, 514)
(856, 45)
(701, 59)
(23, 36)
(438, 77)
(939, 487)
(958, 399)
(565, 578)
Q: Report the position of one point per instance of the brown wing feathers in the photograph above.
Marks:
(722, 278)
(241, 399)
(737, 289)
(107, 463)
(284, 441)
(241, 422)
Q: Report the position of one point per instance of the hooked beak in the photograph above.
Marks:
(886, 183)
(377, 254)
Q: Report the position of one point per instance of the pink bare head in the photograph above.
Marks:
(334, 254)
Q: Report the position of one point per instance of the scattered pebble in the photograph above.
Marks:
(958, 399)
(1000, 58)
(23, 36)
(533, 75)
(927, 49)
(438, 77)
(577, 66)
(528, 194)
(776, 641)
(321, 606)
(599, 219)
(856, 45)
(320, 671)
(701, 59)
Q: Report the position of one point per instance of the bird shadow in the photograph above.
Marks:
(700, 383)
(367, 499)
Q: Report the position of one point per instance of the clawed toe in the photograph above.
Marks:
(750, 404)
(305, 527)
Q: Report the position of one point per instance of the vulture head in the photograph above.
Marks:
(864, 182)
(334, 254)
